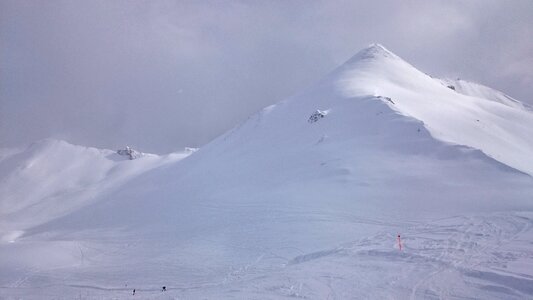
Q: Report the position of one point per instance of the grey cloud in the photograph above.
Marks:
(163, 75)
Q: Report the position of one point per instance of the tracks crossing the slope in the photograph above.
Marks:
(440, 258)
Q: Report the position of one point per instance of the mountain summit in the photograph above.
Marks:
(460, 115)
(373, 51)
(312, 197)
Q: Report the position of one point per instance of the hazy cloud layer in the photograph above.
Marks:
(161, 75)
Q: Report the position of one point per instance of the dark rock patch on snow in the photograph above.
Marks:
(317, 115)
(130, 153)
(386, 98)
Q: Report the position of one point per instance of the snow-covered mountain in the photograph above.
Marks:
(52, 178)
(304, 199)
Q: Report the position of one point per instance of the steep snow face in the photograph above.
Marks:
(51, 178)
(502, 128)
(306, 198)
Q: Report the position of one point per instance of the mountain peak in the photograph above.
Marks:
(374, 51)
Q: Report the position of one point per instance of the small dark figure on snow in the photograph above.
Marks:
(164, 289)
(133, 291)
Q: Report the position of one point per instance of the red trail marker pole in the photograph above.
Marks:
(399, 242)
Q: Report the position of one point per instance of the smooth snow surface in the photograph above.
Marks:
(282, 207)
(52, 178)
(480, 91)
(502, 128)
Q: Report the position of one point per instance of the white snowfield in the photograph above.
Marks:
(52, 178)
(303, 200)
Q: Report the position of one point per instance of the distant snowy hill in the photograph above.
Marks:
(305, 199)
(480, 91)
(52, 178)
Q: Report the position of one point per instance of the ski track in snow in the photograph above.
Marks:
(463, 250)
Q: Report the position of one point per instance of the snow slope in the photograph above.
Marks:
(501, 130)
(480, 91)
(52, 178)
(290, 205)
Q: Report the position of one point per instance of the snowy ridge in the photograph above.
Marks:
(51, 178)
(503, 132)
(484, 92)
(283, 207)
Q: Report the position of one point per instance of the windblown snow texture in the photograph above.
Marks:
(291, 203)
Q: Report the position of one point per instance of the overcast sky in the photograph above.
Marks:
(162, 75)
